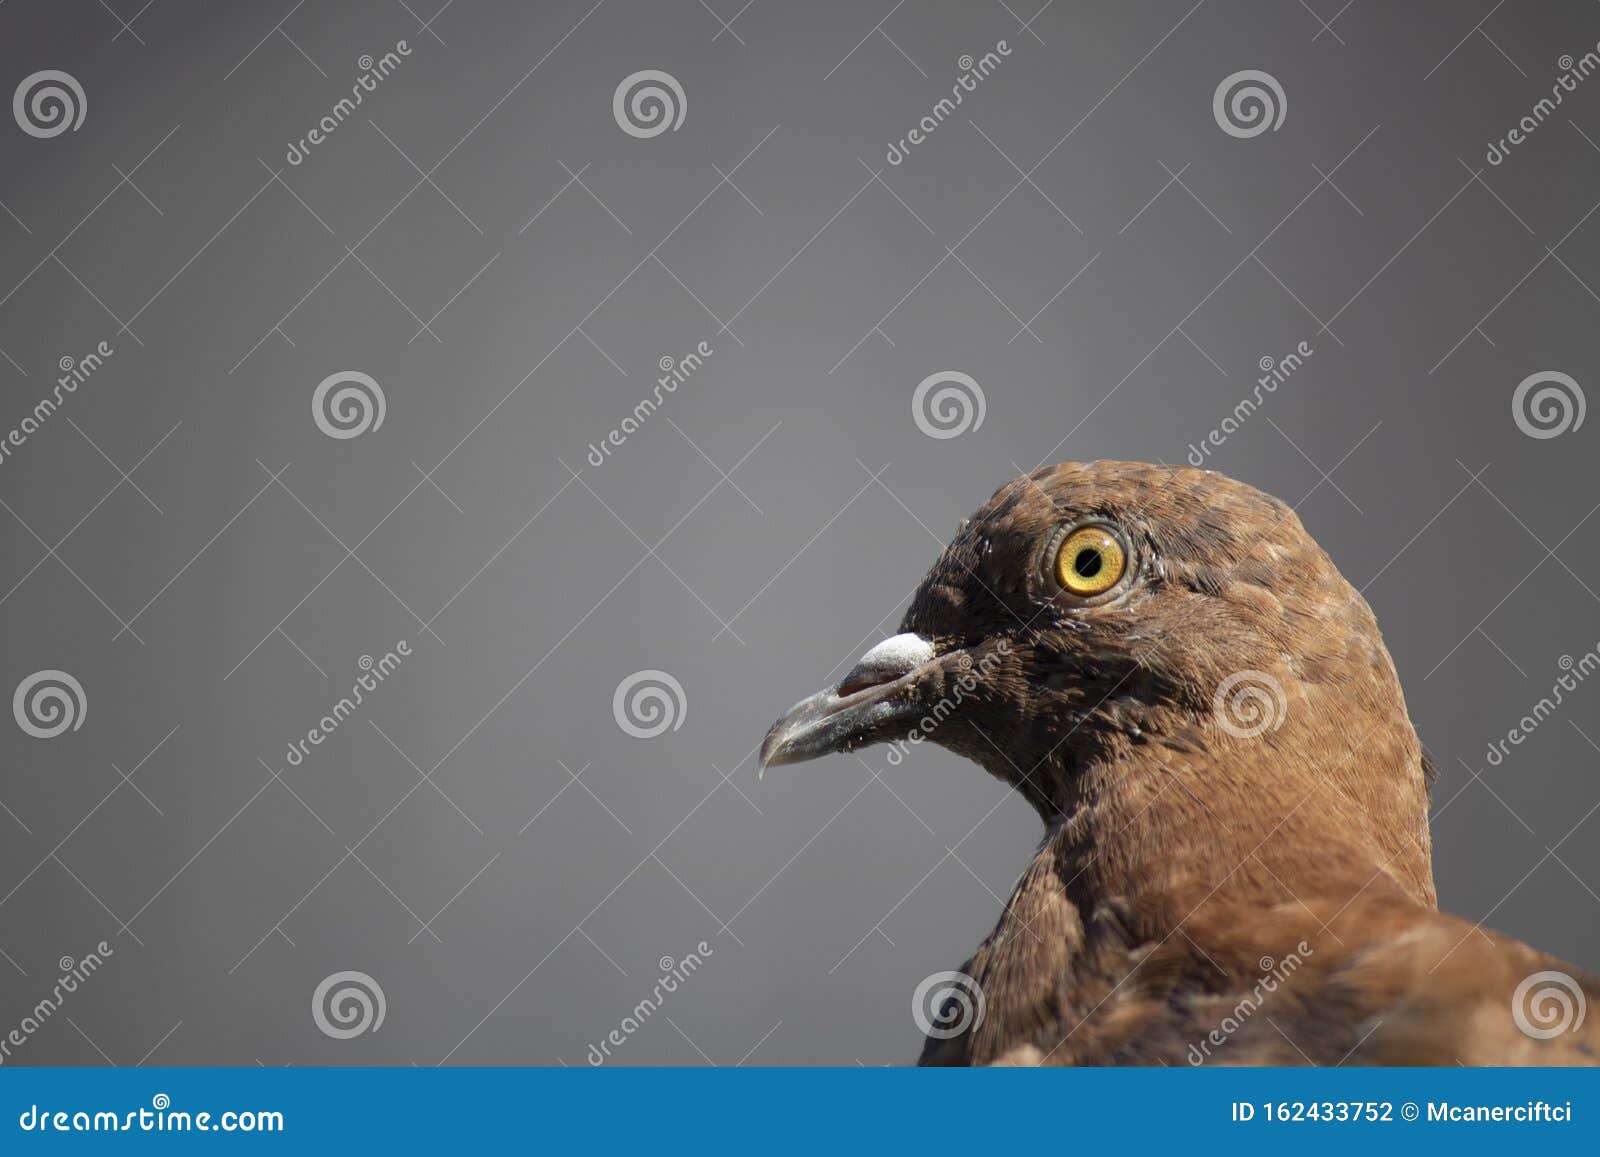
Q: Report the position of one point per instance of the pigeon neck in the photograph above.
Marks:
(1311, 809)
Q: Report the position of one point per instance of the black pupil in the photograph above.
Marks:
(1088, 562)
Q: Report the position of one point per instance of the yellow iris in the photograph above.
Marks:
(1090, 561)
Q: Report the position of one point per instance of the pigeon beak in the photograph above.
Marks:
(869, 703)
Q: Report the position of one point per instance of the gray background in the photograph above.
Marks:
(762, 528)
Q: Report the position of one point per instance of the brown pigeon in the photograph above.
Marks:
(1236, 867)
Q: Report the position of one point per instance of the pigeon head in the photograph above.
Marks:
(1097, 621)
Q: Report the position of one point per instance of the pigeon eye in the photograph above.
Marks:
(1090, 561)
